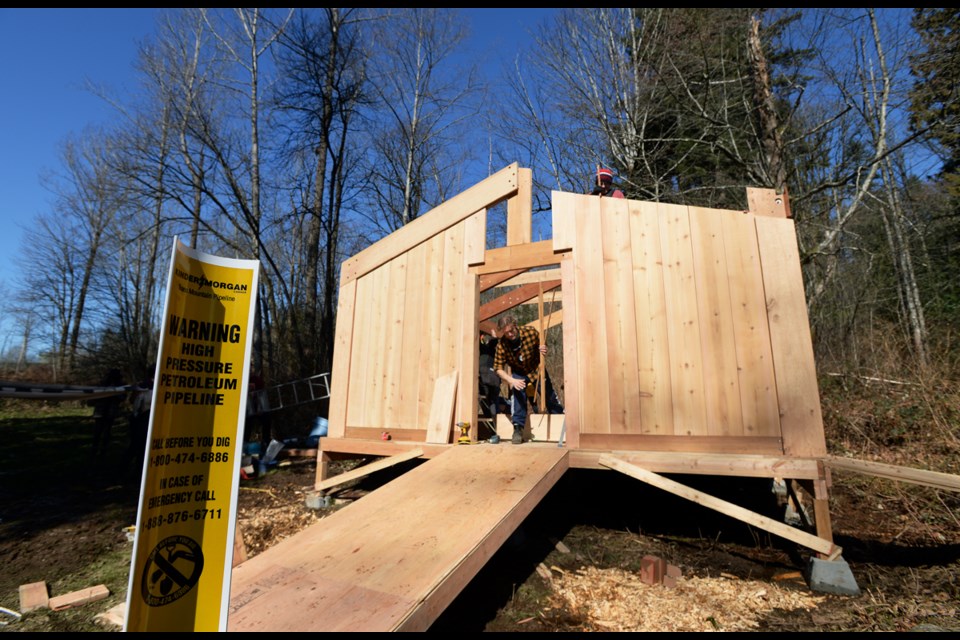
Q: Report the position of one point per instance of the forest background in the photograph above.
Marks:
(298, 137)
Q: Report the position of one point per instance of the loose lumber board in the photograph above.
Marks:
(34, 596)
(441, 411)
(936, 479)
(396, 558)
(77, 598)
(115, 615)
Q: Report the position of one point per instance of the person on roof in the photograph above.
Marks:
(604, 186)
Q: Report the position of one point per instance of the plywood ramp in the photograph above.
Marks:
(395, 559)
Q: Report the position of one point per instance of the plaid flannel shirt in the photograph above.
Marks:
(523, 356)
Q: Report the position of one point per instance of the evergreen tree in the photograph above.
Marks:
(935, 98)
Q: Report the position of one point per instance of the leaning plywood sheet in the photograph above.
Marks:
(441, 411)
(396, 558)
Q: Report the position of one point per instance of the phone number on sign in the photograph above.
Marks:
(164, 459)
(181, 516)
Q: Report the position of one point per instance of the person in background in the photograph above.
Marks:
(604, 185)
(140, 423)
(257, 425)
(520, 348)
(489, 381)
(105, 412)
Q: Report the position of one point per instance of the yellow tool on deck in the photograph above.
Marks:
(464, 433)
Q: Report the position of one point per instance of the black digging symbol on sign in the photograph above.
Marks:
(172, 571)
(167, 571)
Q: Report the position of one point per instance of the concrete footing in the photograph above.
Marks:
(317, 501)
(831, 576)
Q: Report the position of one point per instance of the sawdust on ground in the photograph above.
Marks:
(618, 600)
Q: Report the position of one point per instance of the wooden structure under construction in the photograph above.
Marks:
(686, 344)
(686, 350)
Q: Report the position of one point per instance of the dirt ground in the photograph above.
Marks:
(573, 565)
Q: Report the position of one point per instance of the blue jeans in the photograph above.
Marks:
(518, 401)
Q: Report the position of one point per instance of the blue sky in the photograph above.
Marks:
(46, 57)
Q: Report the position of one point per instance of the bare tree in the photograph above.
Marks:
(246, 35)
(668, 97)
(89, 197)
(871, 130)
(424, 106)
(323, 80)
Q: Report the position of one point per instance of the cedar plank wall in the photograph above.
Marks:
(685, 328)
(406, 315)
(691, 330)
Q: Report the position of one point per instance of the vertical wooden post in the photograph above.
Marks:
(468, 388)
(520, 210)
(543, 340)
(819, 490)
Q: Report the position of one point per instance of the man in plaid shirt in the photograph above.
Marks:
(520, 349)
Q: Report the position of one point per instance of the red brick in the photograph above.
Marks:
(670, 576)
(83, 596)
(652, 569)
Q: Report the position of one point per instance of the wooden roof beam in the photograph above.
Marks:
(514, 298)
(483, 195)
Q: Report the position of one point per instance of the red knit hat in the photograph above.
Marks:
(605, 175)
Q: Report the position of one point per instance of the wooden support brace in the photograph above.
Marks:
(366, 470)
(798, 504)
(490, 280)
(816, 543)
(323, 465)
(821, 504)
(513, 298)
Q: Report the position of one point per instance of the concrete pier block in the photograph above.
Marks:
(831, 576)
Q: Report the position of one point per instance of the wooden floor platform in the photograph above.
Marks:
(395, 559)
(696, 463)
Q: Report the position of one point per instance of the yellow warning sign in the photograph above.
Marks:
(183, 550)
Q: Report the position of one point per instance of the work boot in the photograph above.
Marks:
(517, 435)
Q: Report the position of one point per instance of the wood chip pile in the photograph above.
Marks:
(617, 600)
(265, 526)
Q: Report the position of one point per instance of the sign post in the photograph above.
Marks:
(186, 521)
